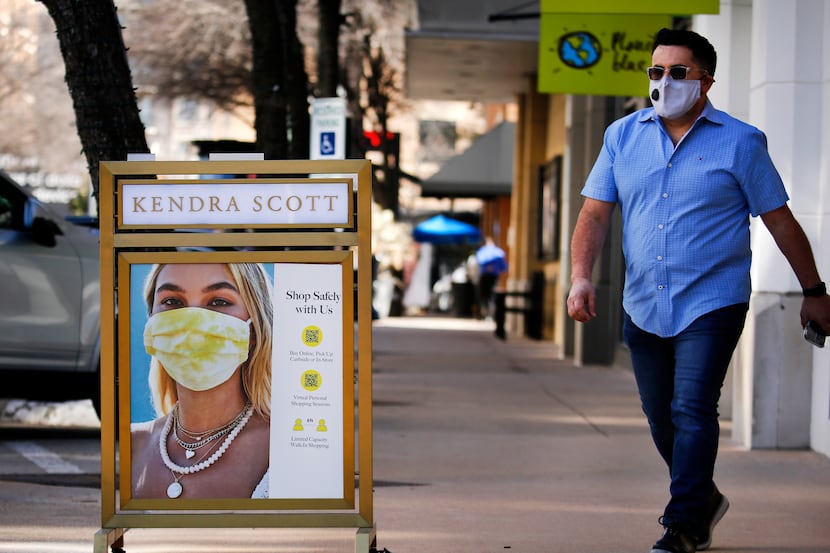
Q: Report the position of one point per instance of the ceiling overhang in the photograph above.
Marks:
(472, 51)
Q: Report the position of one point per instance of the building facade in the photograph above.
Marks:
(773, 72)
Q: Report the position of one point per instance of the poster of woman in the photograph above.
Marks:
(200, 426)
(204, 339)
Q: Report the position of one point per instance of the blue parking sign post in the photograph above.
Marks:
(328, 128)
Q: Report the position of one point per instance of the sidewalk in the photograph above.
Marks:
(490, 446)
(484, 446)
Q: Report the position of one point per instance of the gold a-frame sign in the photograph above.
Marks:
(228, 284)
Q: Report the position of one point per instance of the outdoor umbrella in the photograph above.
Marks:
(444, 230)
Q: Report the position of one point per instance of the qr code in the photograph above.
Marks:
(311, 380)
(312, 335)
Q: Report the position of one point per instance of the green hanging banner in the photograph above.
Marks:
(603, 47)
(603, 55)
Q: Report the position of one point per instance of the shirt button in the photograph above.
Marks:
(660, 287)
(665, 194)
(659, 258)
(660, 226)
(669, 165)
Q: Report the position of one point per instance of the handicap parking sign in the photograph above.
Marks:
(327, 143)
(328, 128)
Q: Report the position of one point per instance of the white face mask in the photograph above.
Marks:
(199, 348)
(673, 98)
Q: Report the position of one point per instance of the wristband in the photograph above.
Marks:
(816, 291)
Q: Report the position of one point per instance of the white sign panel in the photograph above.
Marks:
(169, 204)
(328, 128)
(307, 382)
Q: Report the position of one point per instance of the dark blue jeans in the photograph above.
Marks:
(680, 380)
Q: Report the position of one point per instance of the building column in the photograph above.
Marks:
(781, 385)
(531, 143)
(586, 118)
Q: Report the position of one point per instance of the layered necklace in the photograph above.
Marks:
(230, 431)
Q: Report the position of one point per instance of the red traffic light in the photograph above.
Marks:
(372, 138)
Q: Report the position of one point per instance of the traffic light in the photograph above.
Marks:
(372, 140)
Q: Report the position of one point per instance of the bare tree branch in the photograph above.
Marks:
(194, 49)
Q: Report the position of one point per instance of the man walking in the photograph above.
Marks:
(687, 178)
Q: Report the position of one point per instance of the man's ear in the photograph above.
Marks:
(706, 83)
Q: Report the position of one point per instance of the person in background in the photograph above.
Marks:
(471, 268)
(491, 264)
(687, 178)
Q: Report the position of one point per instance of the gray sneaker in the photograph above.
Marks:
(717, 506)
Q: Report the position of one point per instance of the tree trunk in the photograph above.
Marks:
(299, 118)
(280, 83)
(327, 52)
(99, 81)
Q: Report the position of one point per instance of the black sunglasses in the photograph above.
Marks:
(676, 72)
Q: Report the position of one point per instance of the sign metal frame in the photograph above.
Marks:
(345, 242)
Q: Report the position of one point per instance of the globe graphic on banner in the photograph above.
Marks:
(579, 50)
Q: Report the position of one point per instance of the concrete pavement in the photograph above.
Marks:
(484, 446)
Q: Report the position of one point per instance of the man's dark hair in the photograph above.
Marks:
(702, 50)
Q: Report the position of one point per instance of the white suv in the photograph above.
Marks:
(49, 301)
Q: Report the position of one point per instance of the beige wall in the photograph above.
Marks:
(573, 126)
(556, 289)
(540, 135)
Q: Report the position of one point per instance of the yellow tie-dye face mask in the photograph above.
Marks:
(199, 348)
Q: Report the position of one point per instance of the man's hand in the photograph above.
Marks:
(795, 246)
(586, 243)
(582, 300)
(812, 309)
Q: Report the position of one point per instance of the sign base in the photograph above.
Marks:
(112, 539)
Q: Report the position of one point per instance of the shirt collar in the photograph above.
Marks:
(709, 112)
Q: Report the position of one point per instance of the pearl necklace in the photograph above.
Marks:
(175, 489)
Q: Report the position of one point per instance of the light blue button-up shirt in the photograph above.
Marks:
(685, 212)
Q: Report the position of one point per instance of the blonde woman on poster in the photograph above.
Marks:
(209, 336)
